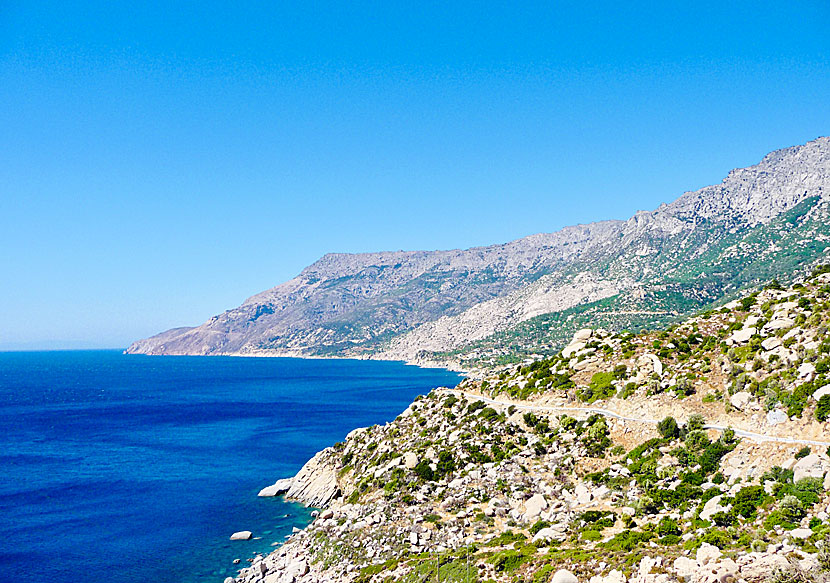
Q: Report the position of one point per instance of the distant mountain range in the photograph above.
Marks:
(501, 303)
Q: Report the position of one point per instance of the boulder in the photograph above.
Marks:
(685, 566)
(582, 335)
(278, 488)
(534, 506)
(761, 568)
(549, 533)
(743, 335)
(779, 324)
(564, 576)
(776, 416)
(242, 535)
(806, 370)
(771, 343)
(811, 466)
(707, 554)
(818, 394)
(712, 507)
(801, 533)
(572, 348)
(740, 400)
(410, 460)
(650, 360)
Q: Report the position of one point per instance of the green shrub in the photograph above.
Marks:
(823, 408)
(668, 428)
(803, 452)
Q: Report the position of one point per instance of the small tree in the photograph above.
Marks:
(668, 428)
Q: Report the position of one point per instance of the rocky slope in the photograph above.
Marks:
(472, 305)
(559, 470)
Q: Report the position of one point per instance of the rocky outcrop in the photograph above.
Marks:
(316, 482)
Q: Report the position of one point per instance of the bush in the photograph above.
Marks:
(667, 526)
(696, 422)
(668, 428)
(803, 452)
(823, 408)
(791, 509)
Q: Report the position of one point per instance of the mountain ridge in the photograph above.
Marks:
(418, 305)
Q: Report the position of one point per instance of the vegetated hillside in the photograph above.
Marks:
(472, 305)
(703, 459)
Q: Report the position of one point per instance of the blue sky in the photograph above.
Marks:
(161, 162)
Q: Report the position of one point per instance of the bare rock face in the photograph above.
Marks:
(316, 482)
(415, 304)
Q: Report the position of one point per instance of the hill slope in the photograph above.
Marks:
(471, 306)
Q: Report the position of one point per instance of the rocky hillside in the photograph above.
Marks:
(480, 306)
(695, 454)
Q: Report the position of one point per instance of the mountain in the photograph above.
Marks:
(487, 305)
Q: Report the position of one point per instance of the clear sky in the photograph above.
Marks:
(161, 162)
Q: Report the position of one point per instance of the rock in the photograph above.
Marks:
(801, 533)
(572, 348)
(582, 335)
(811, 466)
(280, 487)
(242, 535)
(713, 507)
(614, 576)
(776, 416)
(779, 324)
(296, 569)
(549, 533)
(743, 335)
(316, 482)
(534, 506)
(740, 400)
(763, 567)
(685, 566)
(771, 343)
(410, 460)
(806, 370)
(825, 390)
(650, 360)
(564, 576)
(228, 580)
(326, 514)
(707, 554)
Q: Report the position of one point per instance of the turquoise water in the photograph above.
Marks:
(125, 468)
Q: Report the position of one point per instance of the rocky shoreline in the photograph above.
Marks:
(491, 482)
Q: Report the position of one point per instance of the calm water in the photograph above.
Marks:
(132, 468)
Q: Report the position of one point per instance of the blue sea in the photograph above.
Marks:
(127, 468)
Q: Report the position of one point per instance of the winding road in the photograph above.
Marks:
(760, 437)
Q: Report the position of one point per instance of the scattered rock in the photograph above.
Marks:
(242, 535)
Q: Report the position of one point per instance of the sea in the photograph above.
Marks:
(131, 468)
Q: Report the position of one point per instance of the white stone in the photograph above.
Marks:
(740, 400)
(242, 535)
(771, 343)
(713, 506)
(707, 554)
(582, 335)
(564, 576)
(776, 416)
(825, 390)
(410, 460)
(535, 505)
(811, 466)
(801, 533)
(806, 370)
(743, 335)
(280, 487)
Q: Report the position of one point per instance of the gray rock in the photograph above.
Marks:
(242, 535)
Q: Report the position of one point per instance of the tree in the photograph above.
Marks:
(668, 428)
